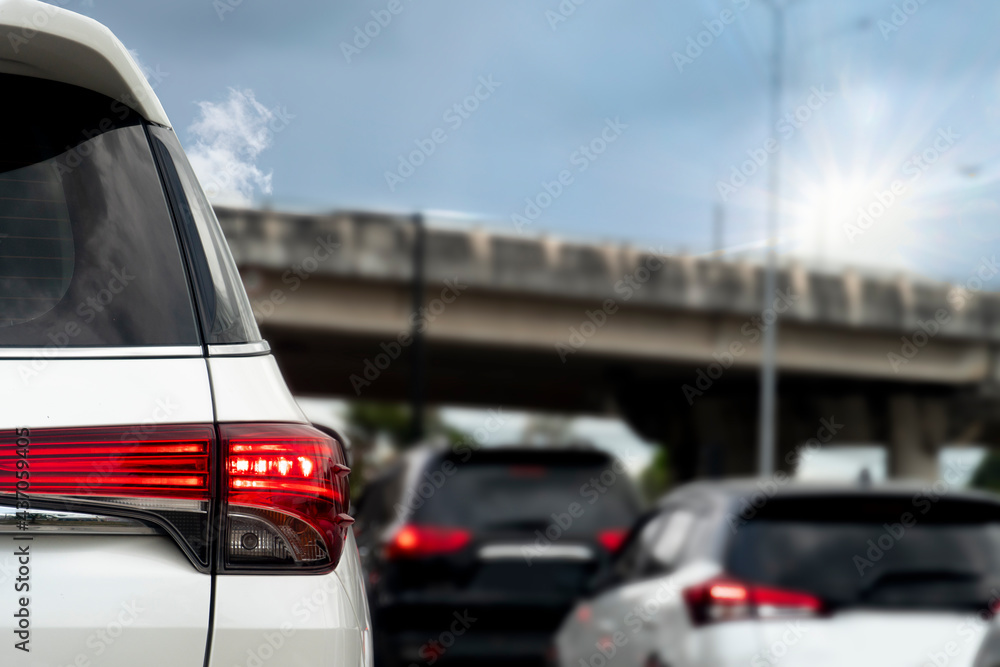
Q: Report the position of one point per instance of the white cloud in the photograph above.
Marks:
(229, 136)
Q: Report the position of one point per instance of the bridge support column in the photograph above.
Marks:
(916, 432)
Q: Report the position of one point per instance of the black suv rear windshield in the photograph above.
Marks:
(874, 552)
(88, 251)
(519, 492)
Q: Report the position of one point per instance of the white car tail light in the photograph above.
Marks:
(161, 474)
(279, 497)
(724, 599)
(286, 497)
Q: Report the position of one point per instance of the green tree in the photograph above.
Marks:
(655, 480)
(367, 421)
(987, 475)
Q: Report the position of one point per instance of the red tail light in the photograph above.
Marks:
(416, 541)
(161, 474)
(281, 503)
(286, 497)
(613, 539)
(728, 600)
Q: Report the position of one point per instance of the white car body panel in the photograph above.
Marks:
(107, 600)
(48, 42)
(293, 620)
(903, 639)
(251, 389)
(47, 393)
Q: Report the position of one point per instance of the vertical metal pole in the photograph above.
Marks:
(418, 357)
(768, 370)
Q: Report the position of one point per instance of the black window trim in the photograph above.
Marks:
(195, 263)
(201, 281)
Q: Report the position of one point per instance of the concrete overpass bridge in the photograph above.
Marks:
(671, 343)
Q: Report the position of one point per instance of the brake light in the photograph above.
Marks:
(613, 539)
(286, 497)
(724, 599)
(417, 541)
(282, 501)
(161, 473)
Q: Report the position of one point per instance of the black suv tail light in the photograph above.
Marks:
(281, 503)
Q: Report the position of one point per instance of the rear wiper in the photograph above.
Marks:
(522, 524)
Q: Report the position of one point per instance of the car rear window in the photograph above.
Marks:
(910, 553)
(511, 494)
(88, 251)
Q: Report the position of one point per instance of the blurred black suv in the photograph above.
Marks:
(476, 555)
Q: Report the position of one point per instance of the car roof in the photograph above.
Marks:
(48, 42)
(729, 490)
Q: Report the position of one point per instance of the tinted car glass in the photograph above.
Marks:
(507, 495)
(225, 309)
(873, 553)
(88, 251)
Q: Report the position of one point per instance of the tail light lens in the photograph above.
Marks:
(160, 474)
(286, 498)
(282, 502)
(725, 599)
(416, 541)
(613, 539)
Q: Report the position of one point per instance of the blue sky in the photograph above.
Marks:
(892, 92)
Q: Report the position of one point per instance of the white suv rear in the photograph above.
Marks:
(163, 500)
(734, 574)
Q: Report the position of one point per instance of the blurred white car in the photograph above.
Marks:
(163, 500)
(745, 573)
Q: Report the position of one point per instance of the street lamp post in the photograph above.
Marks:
(768, 368)
(418, 368)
